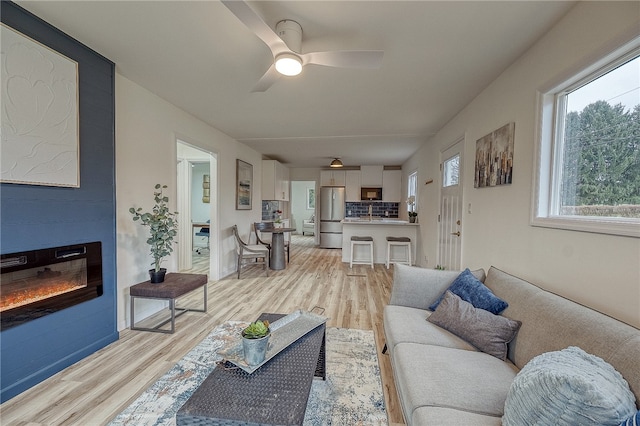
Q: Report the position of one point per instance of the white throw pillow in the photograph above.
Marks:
(566, 388)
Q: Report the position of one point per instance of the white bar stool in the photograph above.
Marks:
(399, 242)
(363, 241)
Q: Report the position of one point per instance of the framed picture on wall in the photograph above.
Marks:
(244, 185)
(206, 194)
(39, 125)
(494, 157)
(311, 198)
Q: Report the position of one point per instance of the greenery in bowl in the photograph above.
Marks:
(256, 330)
(162, 224)
(413, 214)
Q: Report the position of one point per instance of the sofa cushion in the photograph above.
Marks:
(488, 332)
(435, 376)
(403, 324)
(573, 325)
(471, 290)
(566, 388)
(442, 416)
(420, 287)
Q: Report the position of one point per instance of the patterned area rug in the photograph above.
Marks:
(351, 395)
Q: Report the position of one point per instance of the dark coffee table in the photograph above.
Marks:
(275, 394)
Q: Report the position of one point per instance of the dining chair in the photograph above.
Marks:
(258, 227)
(255, 254)
(287, 243)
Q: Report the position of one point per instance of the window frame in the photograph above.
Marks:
(412, 176)
(548, 156)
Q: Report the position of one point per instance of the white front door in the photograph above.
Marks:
(450, 229)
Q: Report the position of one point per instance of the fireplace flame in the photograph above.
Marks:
(46, 284)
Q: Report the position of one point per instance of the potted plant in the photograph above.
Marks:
(278, 219)
(411, 202)
(255, 339)
(162, 229)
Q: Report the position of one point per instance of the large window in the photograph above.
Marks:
(589, 164)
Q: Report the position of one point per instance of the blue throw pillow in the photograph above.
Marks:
(471, 290)
(632, 421)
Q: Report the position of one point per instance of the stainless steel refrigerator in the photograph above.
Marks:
(331, 215)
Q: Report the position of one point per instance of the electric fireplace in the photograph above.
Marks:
(39, 282)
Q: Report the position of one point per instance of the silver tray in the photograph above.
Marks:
(284, 332)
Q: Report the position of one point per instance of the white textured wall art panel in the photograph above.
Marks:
(39, 123)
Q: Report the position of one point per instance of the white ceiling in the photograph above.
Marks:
(438, 56)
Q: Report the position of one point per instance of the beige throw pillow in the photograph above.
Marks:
(488, 332)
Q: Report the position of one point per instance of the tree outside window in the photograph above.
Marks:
(601, 147)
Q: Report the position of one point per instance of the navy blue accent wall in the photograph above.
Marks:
(37, 217)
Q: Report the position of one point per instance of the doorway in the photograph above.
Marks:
(197, 204)
(450, 227)
(303, 207)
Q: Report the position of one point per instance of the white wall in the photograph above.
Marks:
(600, 271)
(199, 209)
(146, 131)
(305, 173)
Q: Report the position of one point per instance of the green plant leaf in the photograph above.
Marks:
(162, 226)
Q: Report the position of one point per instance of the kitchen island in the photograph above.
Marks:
(379, 230)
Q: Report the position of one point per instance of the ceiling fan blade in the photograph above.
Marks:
(267, 80)
(368, 59)
(255, 23)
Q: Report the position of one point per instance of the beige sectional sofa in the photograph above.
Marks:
(441, 379)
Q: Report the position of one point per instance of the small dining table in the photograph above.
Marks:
(277, 260)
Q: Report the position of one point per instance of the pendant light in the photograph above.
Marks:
(336, 163)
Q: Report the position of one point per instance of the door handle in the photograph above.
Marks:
(457, 234)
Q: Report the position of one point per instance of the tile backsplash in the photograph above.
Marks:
(357, 209)
(352, 209)
(269, 209)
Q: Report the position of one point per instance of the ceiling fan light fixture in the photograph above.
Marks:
(288, 64)
(336, 163)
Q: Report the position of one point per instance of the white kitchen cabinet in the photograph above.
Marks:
(332, 178)
(392, 186)
(352, 185)
(275, 181)
(371, 176)
(282, 180)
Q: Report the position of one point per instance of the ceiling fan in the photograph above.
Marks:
(285, 44)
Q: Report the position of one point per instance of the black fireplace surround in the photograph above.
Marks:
(36, 283)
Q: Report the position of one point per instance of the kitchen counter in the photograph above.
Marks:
(379, 229)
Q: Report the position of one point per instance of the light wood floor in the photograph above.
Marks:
(94, 390)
